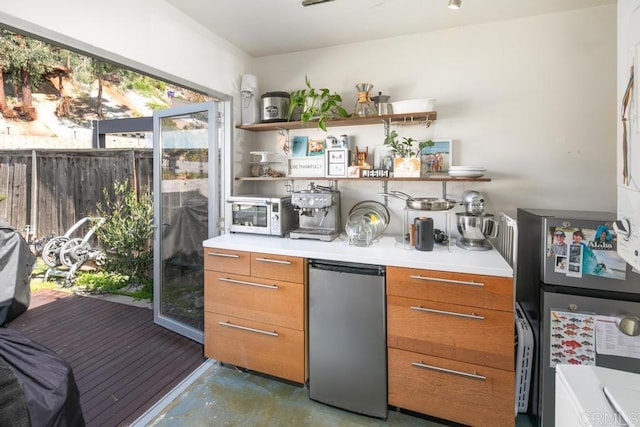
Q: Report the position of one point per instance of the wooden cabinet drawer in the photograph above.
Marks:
(457, 288)
(470, 334)
(456, 391)
(237, 262)
(280, 267)
(263, 300)
(261, 347)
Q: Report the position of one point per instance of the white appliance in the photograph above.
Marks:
(628, 178)
(250, 99)
(595, 396)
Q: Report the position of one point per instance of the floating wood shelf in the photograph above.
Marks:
(396, 119)
(333, 178)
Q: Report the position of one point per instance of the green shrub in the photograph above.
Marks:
(156, 105)
(101, 282)
(127, 232)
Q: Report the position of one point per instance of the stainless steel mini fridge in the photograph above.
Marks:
(347, 336)
(581, 298)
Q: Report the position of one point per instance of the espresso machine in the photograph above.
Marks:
(318, 208)
(474, 224)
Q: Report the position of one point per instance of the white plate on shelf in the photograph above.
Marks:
(467, 168)
(466, 173)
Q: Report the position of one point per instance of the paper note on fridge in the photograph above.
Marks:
(609, 339)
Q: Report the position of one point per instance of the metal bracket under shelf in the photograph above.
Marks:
(407, 121)
(289, 185)
(385, 188)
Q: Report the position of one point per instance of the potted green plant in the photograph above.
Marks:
(407, 157)
(316, 104)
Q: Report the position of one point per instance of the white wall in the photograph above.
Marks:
(533, 100)
(144, 34)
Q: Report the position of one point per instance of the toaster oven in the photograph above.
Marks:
(260, 214)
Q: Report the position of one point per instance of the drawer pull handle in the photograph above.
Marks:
(242, 282)
(450, 371)
(275, 261)
(453, 282)
(450, 313)
(245, 328)
(223, 255)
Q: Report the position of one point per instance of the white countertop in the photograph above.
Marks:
(388, 251)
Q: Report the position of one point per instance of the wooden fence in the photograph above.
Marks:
(51, 190)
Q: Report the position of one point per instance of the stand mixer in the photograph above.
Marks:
(475, 226)
(319, 211)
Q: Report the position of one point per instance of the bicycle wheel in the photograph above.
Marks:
(51, 251)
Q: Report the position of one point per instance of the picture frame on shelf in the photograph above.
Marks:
(337, 162)
(306, 166)
(436, 159)
(299, 146)
(316, 147)
(383, 157)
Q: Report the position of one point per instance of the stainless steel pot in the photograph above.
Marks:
(423, 203)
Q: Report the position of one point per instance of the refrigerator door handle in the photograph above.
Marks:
(628, 324)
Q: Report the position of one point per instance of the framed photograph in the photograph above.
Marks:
(337, 161)
(316, 147)
(299, 146)
(436, 159)
(383, 157)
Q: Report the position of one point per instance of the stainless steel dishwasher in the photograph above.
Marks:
(347, 336)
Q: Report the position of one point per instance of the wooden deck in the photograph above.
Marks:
(122, 362)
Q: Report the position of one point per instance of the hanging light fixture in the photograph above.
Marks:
(454, 4)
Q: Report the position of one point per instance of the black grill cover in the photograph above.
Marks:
(16, 264)
(49, 390)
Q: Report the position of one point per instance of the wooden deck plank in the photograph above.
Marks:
(122, 362)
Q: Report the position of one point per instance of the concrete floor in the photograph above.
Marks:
(218, 395)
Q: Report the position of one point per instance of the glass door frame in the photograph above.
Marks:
(216, 160)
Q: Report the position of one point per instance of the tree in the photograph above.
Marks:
(4, 65)
(26, 61)
(4, 108)
(101, 70)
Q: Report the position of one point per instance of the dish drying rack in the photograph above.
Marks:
(507, 246)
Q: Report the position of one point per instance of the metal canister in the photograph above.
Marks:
(424, 233)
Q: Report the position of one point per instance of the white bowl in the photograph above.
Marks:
(413, 106)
